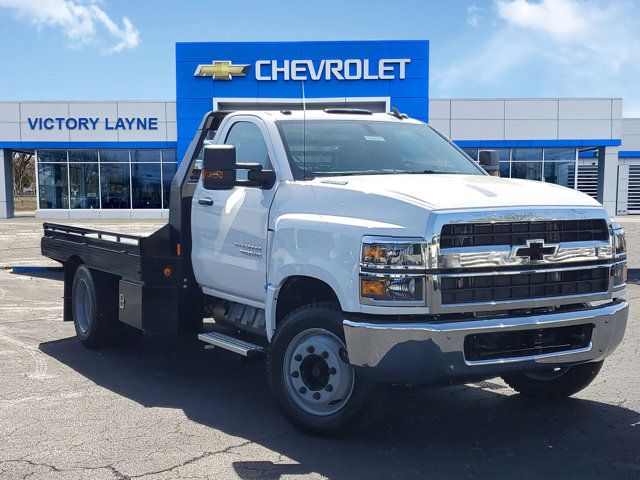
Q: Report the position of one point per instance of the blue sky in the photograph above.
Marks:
(124, 49)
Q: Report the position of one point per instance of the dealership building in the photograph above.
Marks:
(116, 159)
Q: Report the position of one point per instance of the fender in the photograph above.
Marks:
(312, 271)
(307, 245)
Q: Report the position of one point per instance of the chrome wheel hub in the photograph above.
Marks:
(82, 305)
(317, 372)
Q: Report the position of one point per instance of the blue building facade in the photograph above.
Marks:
(393, 74)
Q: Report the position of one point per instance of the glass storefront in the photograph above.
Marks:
(108, 179)
(141, 178)
(553, 165)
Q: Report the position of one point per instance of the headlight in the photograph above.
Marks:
(392, 271)
(619, 242)
(619, 269)
(388, 253)
(619, 272)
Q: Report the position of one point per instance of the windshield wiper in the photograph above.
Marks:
(360, 172)
(421, 172)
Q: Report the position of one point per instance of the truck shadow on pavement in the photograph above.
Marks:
(480, 431)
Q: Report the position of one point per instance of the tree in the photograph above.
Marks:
(24, 174)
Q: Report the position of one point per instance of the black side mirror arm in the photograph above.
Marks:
(257, 176)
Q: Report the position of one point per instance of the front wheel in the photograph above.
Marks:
(313, 382)
(555, 383)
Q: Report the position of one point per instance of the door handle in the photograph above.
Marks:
(205, 201)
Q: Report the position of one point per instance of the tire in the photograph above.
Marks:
(554, 384)
(93, 307)
(315, 387)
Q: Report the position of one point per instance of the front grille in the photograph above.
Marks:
(516, 233)
(524, 343)
(521, 286)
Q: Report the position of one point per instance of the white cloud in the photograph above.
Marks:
(551, 48)
(83, 22)
(560, 18)
(474, 15)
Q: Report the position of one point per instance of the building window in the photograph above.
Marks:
(145, 156)
(84, 185)
(46, 156)
(526, 154)
(110, 179)
(110, 156)
(115, 185)
(553, 154)
(53, 185)
(146, 185)
(168, 156)
(505, 169)
(527, 170)
(562, 173)
(553, 165)
(168, 172)
(472, 152)
(504, 154)
(83, 156)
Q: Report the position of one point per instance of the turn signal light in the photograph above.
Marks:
(402, 288)
(374, 253)
(373, 287)
(167, 272)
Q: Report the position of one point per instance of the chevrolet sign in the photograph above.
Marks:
(350, 69)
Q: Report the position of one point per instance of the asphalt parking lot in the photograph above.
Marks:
(170, 409)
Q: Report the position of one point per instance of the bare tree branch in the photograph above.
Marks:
(24, 174)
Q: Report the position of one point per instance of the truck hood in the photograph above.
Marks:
(443, 192)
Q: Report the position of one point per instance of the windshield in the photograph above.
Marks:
(365, 147)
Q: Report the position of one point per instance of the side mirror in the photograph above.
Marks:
(219, 167)
(489, 160)
(219, 170)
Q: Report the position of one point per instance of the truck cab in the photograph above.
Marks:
(353, 249)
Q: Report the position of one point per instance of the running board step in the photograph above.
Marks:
(232, 344)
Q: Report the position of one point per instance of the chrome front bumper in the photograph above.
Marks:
(433, 353)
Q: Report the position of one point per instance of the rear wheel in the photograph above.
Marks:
(555, 383)
(93, 314)
(308, 367)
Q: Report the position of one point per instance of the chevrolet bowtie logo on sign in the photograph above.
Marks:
(221, 70)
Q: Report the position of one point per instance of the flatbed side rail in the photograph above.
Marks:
(92, 233)
(115, 253)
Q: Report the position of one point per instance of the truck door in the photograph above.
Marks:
(229, 227)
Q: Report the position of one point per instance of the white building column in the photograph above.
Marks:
(623, 188)
(6, 184)
(608, 178)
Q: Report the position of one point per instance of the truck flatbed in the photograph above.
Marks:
(116, 253)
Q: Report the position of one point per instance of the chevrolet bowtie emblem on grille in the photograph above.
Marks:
(221, 70)
(534, 250)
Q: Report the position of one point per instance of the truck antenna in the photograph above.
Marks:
(304, 132)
